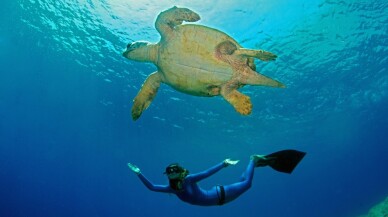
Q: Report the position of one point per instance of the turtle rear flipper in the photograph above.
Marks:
(251, 63)
(146, 94)
(241, 103)
(259, 54)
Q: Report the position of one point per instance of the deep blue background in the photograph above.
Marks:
(66, 92)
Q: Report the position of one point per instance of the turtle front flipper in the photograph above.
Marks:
(146, 94)
(168, 19)
(260, 54)
(241, 103)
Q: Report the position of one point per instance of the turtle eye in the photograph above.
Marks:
(129, 45)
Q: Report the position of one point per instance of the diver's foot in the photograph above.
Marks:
(261, 160)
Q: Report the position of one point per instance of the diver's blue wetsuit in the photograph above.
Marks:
(193, 194)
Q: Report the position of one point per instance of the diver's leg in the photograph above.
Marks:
(235, 190)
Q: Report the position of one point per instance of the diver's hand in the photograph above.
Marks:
(134, 168)
(228, 162)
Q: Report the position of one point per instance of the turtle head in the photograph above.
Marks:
(139, 51)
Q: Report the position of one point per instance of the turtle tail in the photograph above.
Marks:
(255, 78)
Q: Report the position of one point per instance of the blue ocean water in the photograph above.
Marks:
(66, 93)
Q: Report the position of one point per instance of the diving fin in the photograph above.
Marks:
(284, 161)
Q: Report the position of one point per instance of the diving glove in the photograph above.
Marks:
(134, 168)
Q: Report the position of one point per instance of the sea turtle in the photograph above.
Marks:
(197, 60)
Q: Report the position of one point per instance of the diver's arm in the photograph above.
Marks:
(147, 183)
(152, 187)
(203, 175)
